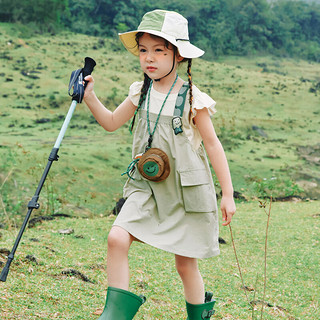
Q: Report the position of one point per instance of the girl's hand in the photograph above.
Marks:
(89, 87)
(228, 209)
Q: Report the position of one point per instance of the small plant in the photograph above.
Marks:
(10, 206)
(265, 187)
(53, 205)
(263, 205)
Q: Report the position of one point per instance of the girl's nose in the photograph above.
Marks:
(149, 57)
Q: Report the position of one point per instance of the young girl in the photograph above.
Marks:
(170, 198)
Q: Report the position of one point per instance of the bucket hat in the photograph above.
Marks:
(169, 25)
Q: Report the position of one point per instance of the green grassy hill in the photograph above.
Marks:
(267, 120)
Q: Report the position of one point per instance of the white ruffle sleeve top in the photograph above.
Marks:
(200, 100)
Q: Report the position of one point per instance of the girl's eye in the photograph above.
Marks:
(159, 50)
(142, 50)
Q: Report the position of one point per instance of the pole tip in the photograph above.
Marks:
(4, 274)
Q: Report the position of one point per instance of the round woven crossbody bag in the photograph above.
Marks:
(154, 165)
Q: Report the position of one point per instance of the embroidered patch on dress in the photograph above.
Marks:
(177, 125)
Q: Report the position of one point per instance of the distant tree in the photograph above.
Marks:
(44, 13)
(296, 28)
(253, 24)
(303, 19)
(6, 10)
(219, 27)
(210, 27)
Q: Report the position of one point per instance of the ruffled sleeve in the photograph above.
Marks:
(134, 92)
(202, 100)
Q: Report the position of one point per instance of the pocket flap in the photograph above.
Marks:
(194, 177)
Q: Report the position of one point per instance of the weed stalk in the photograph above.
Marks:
(238, 264)
(254, 295)
(268, 213)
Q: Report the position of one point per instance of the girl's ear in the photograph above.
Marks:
(179, 58)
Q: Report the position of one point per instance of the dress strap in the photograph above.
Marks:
(180, 102)
(178, 109)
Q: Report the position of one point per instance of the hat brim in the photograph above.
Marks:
(186, 49)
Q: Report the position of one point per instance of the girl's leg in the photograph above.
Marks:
(191, 279)
(119, 242)
(120, 303)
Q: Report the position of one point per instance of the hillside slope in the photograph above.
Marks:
(267, 120)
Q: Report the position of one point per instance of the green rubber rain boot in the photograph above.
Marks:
(121, 305)
(201, 311)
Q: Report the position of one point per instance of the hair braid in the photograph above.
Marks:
(144, 89)
(190, 87)
(143, 94)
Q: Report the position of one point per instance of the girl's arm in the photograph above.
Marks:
(110, 121)
(218, 161)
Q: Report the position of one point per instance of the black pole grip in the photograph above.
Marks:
(89, 64)
(77, 83)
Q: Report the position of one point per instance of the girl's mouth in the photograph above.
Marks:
(151, 69)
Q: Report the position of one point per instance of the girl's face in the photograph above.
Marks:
(156, 57)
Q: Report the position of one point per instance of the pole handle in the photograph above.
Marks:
(89, 64)
(77, 84)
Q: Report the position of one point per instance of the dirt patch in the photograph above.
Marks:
(21, 42)
(308, 177)
(310, 153)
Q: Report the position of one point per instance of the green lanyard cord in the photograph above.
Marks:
(148, 120)
(133, 163)
(130, 169)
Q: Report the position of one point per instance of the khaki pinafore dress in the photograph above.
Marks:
(178, 215)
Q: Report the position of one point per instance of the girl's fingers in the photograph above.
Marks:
(224, 217)
(227, 216)
(227, 220)
(228, 209)
(224, 214)
(88, 78)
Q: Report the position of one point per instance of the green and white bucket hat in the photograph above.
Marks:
(169, 25)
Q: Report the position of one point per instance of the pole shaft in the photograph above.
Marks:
(65, 124)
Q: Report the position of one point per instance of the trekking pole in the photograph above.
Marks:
(76, 91)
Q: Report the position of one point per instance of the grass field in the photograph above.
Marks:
(37, 288)
(268, 122)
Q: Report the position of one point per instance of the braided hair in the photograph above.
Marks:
(190, 87)
(143, 94)
(144, 89)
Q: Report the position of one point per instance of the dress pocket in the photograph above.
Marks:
(197, 191)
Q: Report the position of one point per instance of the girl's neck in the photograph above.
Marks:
(164, 85)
